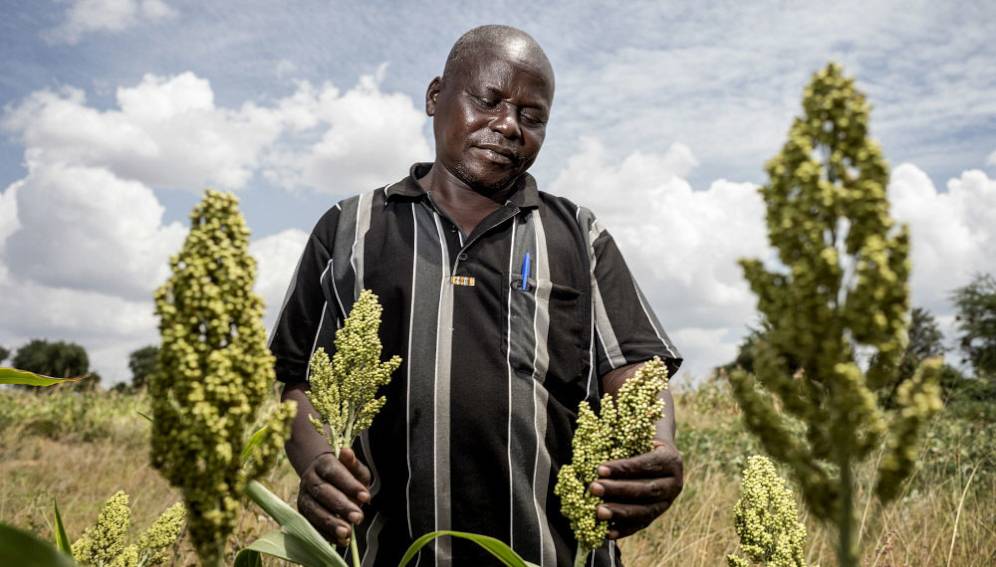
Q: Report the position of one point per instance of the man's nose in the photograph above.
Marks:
(506, 122)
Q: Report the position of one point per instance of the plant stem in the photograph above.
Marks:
(353, 547)
(581, 559)
(847, 545)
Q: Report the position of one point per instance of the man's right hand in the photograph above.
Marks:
(332, 494)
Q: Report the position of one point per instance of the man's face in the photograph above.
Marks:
(490, 117)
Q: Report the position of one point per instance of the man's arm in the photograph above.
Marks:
(636, 491)
(332, 490)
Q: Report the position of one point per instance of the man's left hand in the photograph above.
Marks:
(636, 491)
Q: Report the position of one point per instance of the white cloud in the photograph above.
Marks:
(90, 16)
(167, 133)
(681, 244)
(316, 137)
(703, 350)
(727, 81)
(8, 216)
(992, 159)
(83, 228)
(953, 231)
(82, 251)
(276, 256)
(366, 133)
(285, 68)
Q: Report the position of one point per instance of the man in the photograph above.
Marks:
(508, 306)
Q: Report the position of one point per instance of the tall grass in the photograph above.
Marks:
(80, 448)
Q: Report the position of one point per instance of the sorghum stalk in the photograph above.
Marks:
(214, 372)
(625, 428)
(343, 390)
(841, 289)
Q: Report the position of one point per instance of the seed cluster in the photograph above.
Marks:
(766, 519)
(840, 296)
(105, 543)
(214, 371)
(624, 429)
(344, 389)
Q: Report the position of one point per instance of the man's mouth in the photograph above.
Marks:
(498, 154)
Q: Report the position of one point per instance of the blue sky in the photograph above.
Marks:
(117, 112)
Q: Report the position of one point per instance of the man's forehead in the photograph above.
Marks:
(490, 63)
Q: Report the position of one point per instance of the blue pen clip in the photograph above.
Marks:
(524, 285)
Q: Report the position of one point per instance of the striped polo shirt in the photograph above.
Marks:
(502, 332)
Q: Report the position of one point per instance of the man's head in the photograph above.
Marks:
(490, 106)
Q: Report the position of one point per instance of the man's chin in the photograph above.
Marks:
(486, 180)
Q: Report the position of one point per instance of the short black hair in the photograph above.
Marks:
(492, 34)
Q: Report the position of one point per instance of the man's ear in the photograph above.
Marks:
(431, 94)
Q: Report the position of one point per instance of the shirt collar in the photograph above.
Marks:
(525, 196)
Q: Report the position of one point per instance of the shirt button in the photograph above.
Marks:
(463, 256)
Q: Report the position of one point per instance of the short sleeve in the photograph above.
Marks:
(309, 313)
(626, 329)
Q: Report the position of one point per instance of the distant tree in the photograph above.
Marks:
(976, 304)
(58, 359)
(4, 353)
(746, 350)
(925, 340)
(745, 353)
(142, 363)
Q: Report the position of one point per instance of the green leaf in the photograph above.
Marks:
(248, 558)
(146, 416)
(494, 546)
(61, 540)
(25, 378)
(284, 546)
(254, 440)
(297, 540)
(23, 549)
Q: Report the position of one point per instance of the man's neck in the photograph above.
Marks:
(460, 202)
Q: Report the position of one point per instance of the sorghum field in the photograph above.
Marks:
(81, 448)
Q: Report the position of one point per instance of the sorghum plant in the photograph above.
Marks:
(766, 519)
(214, 372)
(344, 390)
(624, 428)
(839, 297)
(105, 544)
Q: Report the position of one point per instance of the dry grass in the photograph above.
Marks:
(40, 461)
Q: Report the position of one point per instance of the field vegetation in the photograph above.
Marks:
(79, 448)
(855, 418)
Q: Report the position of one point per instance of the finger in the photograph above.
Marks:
(636, 491)
(626, 519)
(334, 529)
(355, 466)
(332, 470)
(333, 500)
(661, 461)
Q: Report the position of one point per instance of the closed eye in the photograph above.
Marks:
(487, 101)
(532, 119)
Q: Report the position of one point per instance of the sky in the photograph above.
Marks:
(116, 114)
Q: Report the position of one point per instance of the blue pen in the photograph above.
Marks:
(524, 286)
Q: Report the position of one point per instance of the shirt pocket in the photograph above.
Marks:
(544, 329)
